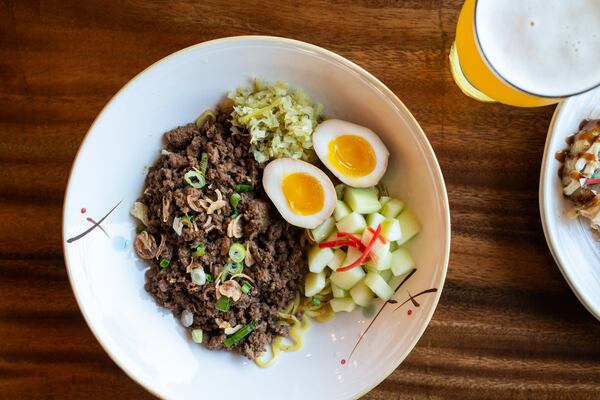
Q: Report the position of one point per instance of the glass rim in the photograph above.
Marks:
(507, 81)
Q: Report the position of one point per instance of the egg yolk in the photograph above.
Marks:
(351, 155)
(303, 192)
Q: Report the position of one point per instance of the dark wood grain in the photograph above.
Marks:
(507, 325)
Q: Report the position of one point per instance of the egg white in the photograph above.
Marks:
(273, 176)
(328, 130)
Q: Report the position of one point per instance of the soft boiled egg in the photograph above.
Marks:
(302, 193)
(353, 153)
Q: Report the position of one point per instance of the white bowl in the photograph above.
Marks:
(145, 340)
(571, 241)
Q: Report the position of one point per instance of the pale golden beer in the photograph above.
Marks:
(526, 53)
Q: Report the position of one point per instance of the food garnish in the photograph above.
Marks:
(280, 121)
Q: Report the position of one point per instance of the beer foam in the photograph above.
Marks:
(545, 47)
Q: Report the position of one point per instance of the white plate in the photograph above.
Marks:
(107, 278)
(571, 241)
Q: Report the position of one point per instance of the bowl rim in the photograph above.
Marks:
(342, 60)
(543, 193)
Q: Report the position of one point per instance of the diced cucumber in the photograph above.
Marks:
(378, 285)
(353, 223)
(318, 258)
(361, 294)
(314, 283)
(351, 256)
(392, 208)
(381, 250)
(395, 281)
(347, 279)
(337, 261)
(409, 225)
(344, 304)
(370, 267)
(332, 236)
(386, 274)
(322, 231)
(338, 292)
(363, 201)
(339, 190)
(382, 264)
(374, 219)
(402, 262)
(384, 199)
(341, 210)
(390, 229)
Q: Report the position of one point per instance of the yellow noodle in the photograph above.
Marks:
(275, 347)
(295, 337)
(297, 316)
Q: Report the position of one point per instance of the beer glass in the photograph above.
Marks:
(526, 53)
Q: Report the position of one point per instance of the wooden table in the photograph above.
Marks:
(507, 325)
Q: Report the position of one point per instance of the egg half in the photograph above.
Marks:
(302, 193)
(353, 153)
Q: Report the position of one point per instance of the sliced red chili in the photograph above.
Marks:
(353, 238)
(336, 243)
(381, 238)
(591, 181)
(365, 253)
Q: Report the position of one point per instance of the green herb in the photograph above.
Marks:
(140, 228)
(223, 304)
(186, 218)
(315, 301)
(209, 277)
(224, 275)
(234, 200)
(246, 287)
(243, 187)
(237, 252)
(197, 335)
(234, 268)
(164, 263)
(203, 163)
(195, 179)
(200, 250)
(240, 335)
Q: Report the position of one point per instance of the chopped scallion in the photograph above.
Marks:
(197, 335)
(195, 179)
(237, 252)
(164, 263)
(203, 163)
(315, 301)
(243, 187)
(234, 200)
(200, 250)
(246, 287)
(198, 276)
(209, 277)
(223, 304)
(224, 275)
(240, 335)
(186, 218)
(234, 268)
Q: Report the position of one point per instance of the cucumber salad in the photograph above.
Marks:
(359, 252)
